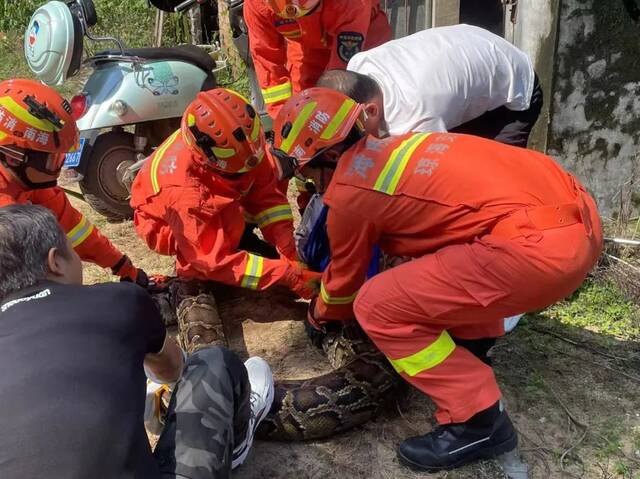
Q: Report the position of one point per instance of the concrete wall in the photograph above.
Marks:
(595, 113)
(587, 55)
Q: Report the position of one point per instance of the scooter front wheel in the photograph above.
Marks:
(102, 185)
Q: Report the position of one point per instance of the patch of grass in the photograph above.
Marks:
(599, 306)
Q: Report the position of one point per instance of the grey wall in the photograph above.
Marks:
(594, 125)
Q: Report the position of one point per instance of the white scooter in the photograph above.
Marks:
(129, 104)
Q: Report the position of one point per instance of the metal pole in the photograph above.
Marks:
(428, 13)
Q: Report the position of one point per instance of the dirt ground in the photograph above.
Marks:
(572, 394)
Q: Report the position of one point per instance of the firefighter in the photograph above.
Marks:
(511, 231)
(192, 196)
(36, 130)
(293, 41)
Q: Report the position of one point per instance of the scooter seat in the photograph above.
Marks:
(185, 53)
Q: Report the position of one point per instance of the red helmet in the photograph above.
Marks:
(292, 8)
(224, 130)
(36, 126)
(311, 122)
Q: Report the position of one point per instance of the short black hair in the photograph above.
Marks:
(356, 86)
(27, 233)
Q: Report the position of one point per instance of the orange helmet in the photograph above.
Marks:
(311, 122)
(36, 130)
(224, 130)
(292, 8)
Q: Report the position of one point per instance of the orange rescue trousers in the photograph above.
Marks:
(532, 259)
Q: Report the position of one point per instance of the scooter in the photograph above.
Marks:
(240, 34)
(132, 100)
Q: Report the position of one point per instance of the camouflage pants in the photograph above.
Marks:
(208, 412)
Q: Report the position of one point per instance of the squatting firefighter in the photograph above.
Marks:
(36, 130)
(461, 79)
(293, 41)
(192, 196)
(509, 231)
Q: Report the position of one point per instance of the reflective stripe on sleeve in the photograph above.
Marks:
(277, 93)
(253, 271)
(389, 178)
(328, 299)
(80, 232)
(427, 358)
(273, 215)
(155, 162)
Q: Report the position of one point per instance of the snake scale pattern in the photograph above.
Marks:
(361, 382)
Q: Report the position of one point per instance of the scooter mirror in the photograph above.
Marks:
(89, 10)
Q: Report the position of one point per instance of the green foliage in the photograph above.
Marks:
(599, 306)
(15, 14)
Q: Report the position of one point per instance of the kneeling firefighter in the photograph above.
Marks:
(193, 194)
(36, 130)
(509, 232)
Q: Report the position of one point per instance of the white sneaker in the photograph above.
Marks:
(261, 380)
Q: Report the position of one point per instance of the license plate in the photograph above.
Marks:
(72, 159)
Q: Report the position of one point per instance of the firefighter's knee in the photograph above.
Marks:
(368, 306)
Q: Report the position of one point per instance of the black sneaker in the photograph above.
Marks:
(486, 435)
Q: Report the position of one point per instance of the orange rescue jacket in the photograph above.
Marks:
(185, 209)
(416, 193)
(291, 54)
(88, 242)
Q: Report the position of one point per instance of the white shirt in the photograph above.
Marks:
(437, 79)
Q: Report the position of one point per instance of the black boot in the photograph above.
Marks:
(486, 435)
(478, 347)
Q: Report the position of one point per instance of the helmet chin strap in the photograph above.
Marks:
(20, 170)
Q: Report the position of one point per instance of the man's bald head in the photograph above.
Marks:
(363, 90)
(356, 86)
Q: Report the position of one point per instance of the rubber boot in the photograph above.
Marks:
(486, 435)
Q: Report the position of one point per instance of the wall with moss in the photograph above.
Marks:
(594, 125)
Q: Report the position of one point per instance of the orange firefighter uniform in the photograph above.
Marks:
(86, 239)
(182, 209)
(495, 230)
(36, 129)
(290, 54)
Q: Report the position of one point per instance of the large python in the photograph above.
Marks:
(353, 393)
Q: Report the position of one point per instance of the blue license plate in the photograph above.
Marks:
(72, 159)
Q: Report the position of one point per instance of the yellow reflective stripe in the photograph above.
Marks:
(296, 34)
(255, 130)
(156, 160)
(253, 271)
(328, 299)
(273, 215)
(80, 232)
(3, 135)
(239, 95)
(337, 120)
(223, 152)
(296, 128)
(23, 115)
(428, 358)
(392, 171)
(277, 93)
